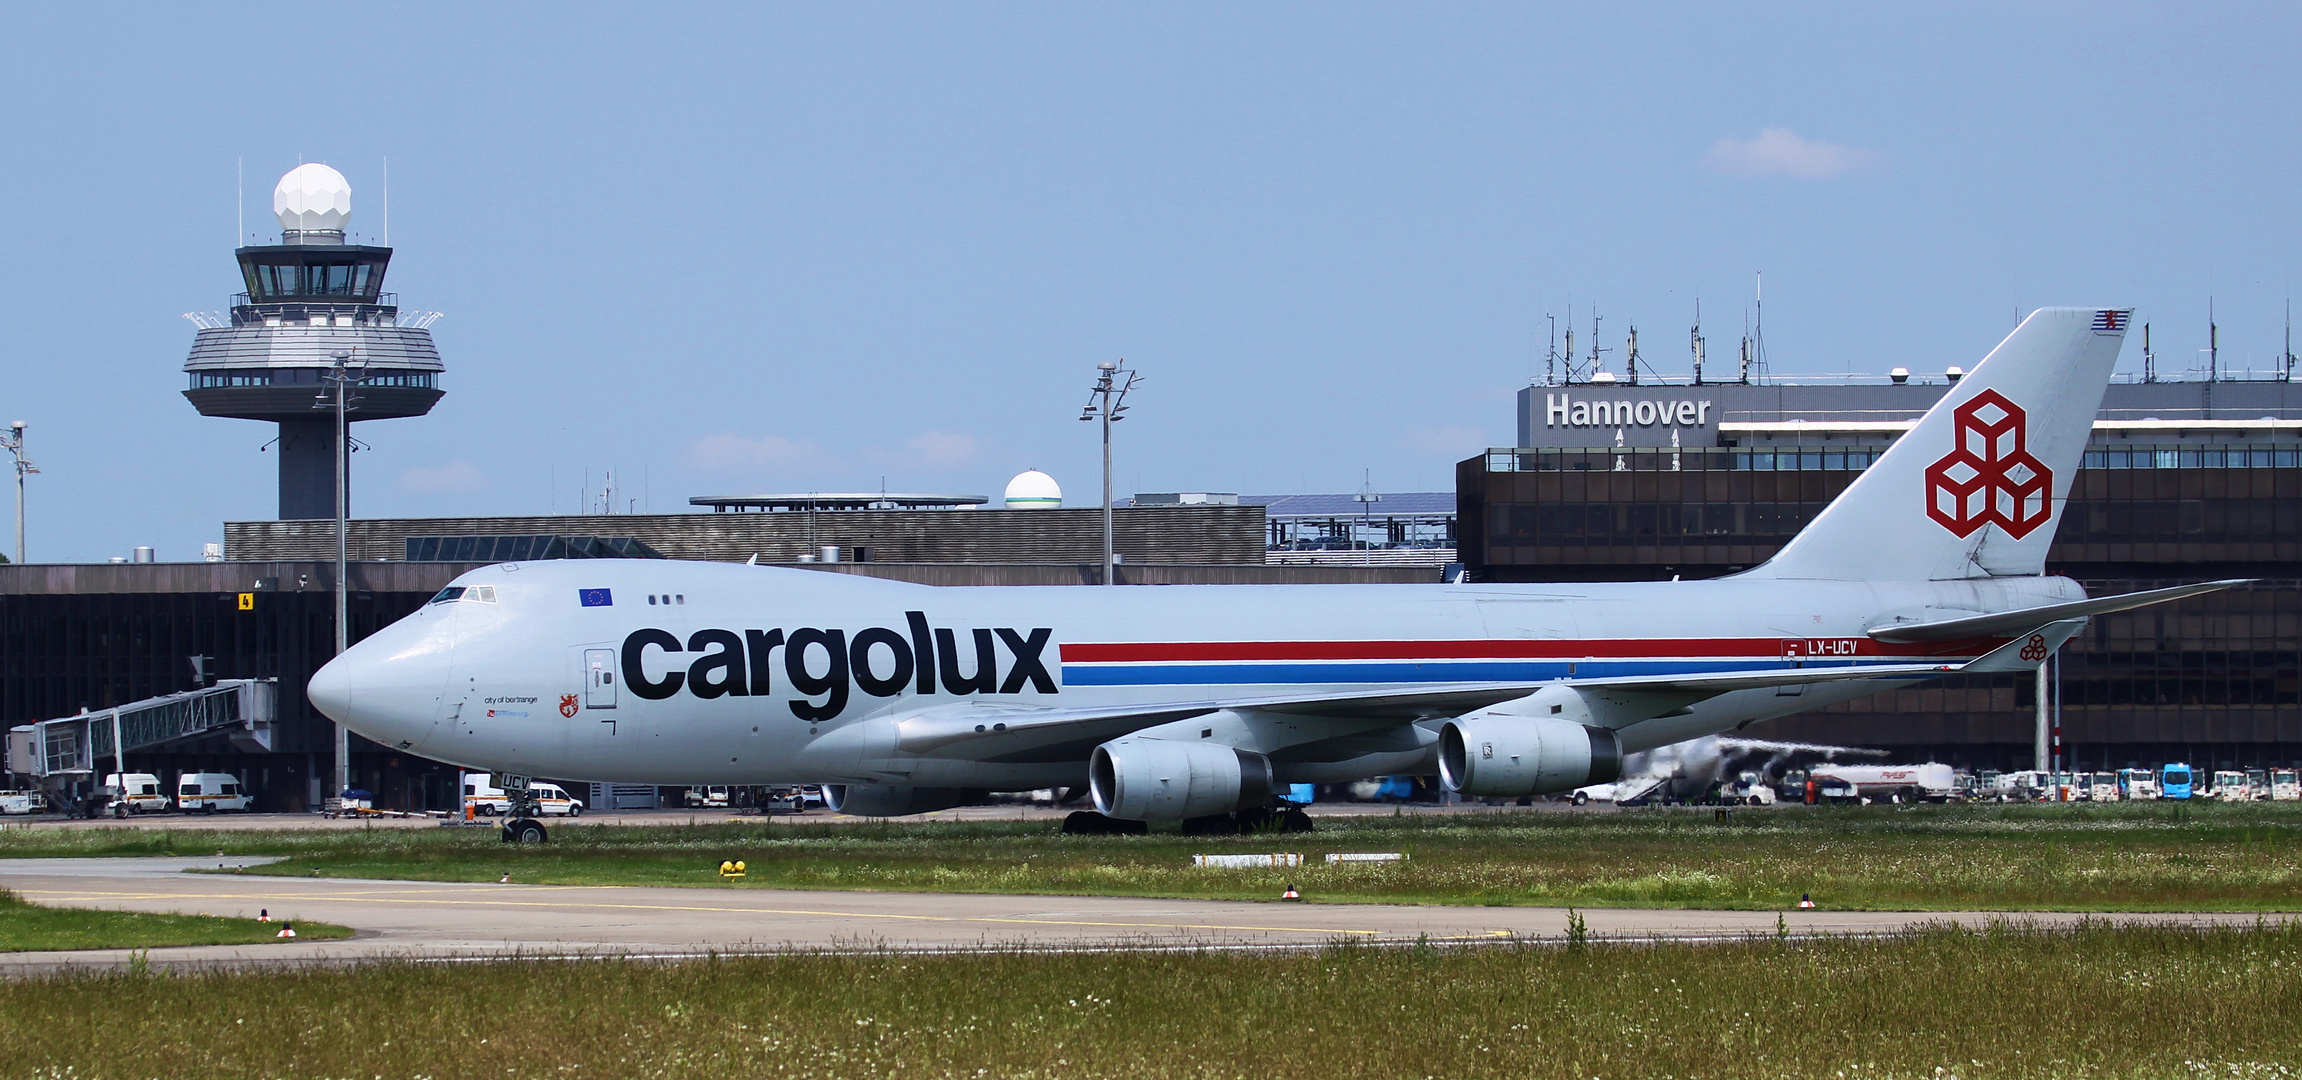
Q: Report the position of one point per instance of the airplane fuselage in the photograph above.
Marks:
(651, 671)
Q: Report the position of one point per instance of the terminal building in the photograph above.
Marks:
(2184, 481)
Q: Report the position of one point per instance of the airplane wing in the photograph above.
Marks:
(2029, 619)
(1003, 729)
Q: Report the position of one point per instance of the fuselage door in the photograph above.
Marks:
(1794, 656)
(599, 678)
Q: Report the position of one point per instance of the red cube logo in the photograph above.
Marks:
(1989, 477)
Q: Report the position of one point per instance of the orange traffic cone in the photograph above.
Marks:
(287, 930)
(263, 914)
(1290, 894)
(1805, 901)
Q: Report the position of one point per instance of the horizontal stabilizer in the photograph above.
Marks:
(2030, 619)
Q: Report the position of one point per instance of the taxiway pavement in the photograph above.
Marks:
(437, 921)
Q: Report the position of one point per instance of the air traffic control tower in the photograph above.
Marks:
(312, 301)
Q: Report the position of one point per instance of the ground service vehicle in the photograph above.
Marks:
(2137, 784)
(2285, 785)
(22, 802)
(484, 798)
(1202, 703)
(210, 792)
(1905, 783)
(2258, 782)
(141, 794)
(2174, 781)
(2230, 785)
(2101, 786)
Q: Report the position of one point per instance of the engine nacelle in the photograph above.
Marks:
(1511, 756)
(878, 800)
(1165, 780)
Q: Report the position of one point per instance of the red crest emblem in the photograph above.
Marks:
(568, 705)
(1989, 478)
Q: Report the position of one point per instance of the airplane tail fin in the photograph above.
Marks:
(1977, 486)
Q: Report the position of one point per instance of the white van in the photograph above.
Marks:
(141, 793)
(486, 799)
(209, 792)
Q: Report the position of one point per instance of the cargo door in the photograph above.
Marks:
(599, 678)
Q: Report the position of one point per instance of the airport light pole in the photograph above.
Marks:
(343, 378)
(13, 442)
(1106, 401)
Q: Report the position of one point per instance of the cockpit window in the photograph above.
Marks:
(484, 594)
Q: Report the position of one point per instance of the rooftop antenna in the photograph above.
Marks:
(2213, 344)
(1595, 350)
(1742, 366)
(1570, 343)
(1631, 362)
(240, 197)
(386, 223)
(2286, 371)
(1551, 360)
(2149, 359)
(1758, 333)
(1695, 340)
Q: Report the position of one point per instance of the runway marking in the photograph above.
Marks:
(84, 896)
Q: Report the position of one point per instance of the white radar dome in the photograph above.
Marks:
(1033, 490)
(313, 198)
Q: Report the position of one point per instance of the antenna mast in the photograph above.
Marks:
(2213, 344)
(1631, 363)
(1551, 361)
(2149, 359)
(387, 217)
(1695, 341)
(1758, 334)
(1595, 350)
(2287, 373)
(1570, 343)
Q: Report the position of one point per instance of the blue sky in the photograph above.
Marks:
(808, 247)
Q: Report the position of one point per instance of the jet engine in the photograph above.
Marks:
(1497, 754)
(877, 800)
(1165, 780)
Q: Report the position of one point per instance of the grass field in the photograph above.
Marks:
(30, 927)
(1929, 1004)
(2063, 858)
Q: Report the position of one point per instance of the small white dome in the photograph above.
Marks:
(313, 198)
(1033, 490)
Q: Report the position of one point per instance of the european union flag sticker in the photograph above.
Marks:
(595, 598)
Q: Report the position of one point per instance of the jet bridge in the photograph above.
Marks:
(242, 709)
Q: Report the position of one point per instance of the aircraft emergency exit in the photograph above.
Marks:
(1202, 703)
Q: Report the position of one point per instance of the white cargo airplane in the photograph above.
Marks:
(1200, 703)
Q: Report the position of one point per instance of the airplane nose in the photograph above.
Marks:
(386, 688)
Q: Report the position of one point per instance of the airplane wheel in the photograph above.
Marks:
(525, 832)
(1294, 821)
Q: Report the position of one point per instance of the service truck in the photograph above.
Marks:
(2103, 787)
(2258, 781)
(2174, 780)
(2230, 786)
(1903, 783)
(140, 794)
(2286, 785)
(22, 802)
(209, 792)
(2137, 784)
